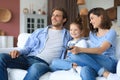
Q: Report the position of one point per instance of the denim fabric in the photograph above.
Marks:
(34, 66)
(60, 64)
(88, 73)
(97, 62)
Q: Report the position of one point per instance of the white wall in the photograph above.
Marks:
(97, 3)
(35, 5)
(118, 15)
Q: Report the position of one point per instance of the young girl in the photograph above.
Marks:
(71, 60)
(99, 59)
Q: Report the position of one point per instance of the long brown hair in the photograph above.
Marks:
(105, 23)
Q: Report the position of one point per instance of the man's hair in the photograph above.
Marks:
(105, 22)
(64, 13)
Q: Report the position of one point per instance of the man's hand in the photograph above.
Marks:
(14, 53)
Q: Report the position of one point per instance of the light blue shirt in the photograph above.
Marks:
(36, 42)
(110, 37)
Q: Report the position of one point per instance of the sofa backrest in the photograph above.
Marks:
(22, 38)
(118, 47)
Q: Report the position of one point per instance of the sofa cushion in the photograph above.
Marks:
(118, 68)
(118, 48)
(64, 75)
(68, 75)
(22, 38)
(19, 74)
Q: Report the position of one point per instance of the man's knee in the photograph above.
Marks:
(39, 67)
(54, 64)
(3, 56)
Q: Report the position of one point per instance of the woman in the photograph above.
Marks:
(99, 59)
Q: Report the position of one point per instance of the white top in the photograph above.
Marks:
(79, 43)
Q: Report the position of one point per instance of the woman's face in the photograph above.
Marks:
(75, 32)
(95, 20)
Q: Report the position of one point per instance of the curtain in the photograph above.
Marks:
(69, 5)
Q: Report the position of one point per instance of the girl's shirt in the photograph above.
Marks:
(110, 37)
(82, 42)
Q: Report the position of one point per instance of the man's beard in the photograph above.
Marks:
(56, 25)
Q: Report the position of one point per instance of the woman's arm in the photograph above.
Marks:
(105, 45)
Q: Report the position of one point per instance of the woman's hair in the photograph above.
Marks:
(64, 13)
(78, 21)
(105, 20)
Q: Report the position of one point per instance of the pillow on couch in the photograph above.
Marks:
(22, 38)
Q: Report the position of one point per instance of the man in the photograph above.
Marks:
(41, 48)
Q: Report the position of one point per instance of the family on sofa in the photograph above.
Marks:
(45, 46)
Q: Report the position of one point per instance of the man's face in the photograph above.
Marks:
(57, 18)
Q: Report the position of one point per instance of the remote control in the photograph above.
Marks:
(68, 48)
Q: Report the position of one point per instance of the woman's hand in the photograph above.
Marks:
(14, 53)
(75, 50)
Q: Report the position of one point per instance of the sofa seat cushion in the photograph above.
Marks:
(22, 38)
(68, 75)
(118, 68)
(19, 74)
(64, 75)
(16, 74)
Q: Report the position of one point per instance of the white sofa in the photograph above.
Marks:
(17, 74)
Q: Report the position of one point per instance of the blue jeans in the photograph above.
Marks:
(88, 73)
(99, 63)
(35, 67)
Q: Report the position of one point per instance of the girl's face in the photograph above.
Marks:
(75, 32)
(95, 20)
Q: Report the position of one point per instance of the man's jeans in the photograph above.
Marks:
(94, 63)
(35, 66)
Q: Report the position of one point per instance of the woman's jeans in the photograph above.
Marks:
(35, 67)
(92, 62)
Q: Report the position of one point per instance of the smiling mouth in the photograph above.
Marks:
(73, 34)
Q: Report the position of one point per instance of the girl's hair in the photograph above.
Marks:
(105, 20)
(78, 21)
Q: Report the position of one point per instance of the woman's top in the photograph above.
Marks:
(110, 37)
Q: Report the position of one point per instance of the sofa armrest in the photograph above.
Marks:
(7, 50)
(118, 68)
